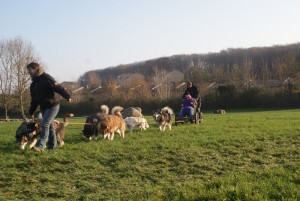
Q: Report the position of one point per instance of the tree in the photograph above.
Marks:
(162, 84)
(6, 77)
(23, 54)
(15, 55)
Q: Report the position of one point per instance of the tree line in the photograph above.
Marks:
(232, 78)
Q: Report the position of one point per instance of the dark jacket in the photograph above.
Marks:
(43, 91)
(193, 91)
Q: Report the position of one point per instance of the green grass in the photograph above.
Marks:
(236, 156)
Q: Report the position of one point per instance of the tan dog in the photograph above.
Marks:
(60, 128)
(113, 123)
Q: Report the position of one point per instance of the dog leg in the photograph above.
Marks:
(62, 143)
(106, 136)
(170, 126)
(130, 128)
(96, 132)
(22, 145)
(33, 143)
(164, 127)
(112, 136)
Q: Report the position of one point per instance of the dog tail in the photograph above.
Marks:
(167, 110)
(117, 110)
(66, 118)
(104, 109)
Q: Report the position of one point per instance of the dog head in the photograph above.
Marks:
(105, 129)
(144, 124)
(157, 115)
(90, 127)
(92, 124)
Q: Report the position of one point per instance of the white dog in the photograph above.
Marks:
(136, 122)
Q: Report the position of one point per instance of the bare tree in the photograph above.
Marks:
(92, 80)
(162, 84)
(23, 53)
(249, 75)
(15, 55)
(6, 77)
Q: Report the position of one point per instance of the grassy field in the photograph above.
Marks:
(237, 156)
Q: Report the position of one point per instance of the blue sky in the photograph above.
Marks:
(75, 36)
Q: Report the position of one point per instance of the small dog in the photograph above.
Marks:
(163, 118)
(136, 122)
(29, 131)
(113, 123)
(92, 124)
(219, 111)
(60, 129)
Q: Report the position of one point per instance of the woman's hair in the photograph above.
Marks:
(33, 65)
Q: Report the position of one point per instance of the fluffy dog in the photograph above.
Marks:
(136, 122)
(132, 112)
(29, 131)
(92, 124)
(163, 118)
(113, 123)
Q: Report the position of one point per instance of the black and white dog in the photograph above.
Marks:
(92, 124)
(163, 118)
(28, 131)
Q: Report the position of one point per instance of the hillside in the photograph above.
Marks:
(228, 66)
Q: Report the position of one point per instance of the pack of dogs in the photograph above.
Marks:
(101, 123)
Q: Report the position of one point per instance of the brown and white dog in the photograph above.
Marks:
(163, 118)
(139, 122)
(29, 131)
(60, 128)
(113, 123)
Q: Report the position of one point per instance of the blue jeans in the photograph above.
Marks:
(48, 134)
(186, 111)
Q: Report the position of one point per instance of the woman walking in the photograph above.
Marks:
(44, 92)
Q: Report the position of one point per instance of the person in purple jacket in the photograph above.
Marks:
(188, 104)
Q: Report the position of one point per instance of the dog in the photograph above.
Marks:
(92, 124)
(60, 128)
(136, 122)
(219, 111)
(113, 123)
(132, 112)
(163, 118)
(29, 131)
